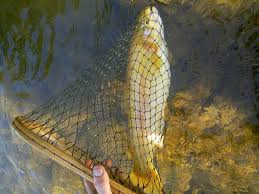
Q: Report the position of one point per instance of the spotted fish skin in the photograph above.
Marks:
(148, 83)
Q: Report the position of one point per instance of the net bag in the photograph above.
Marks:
(114, 111)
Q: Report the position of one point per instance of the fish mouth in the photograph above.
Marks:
(151, 9)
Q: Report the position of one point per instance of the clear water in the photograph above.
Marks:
(212, 138)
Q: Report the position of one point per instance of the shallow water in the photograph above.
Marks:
(212, 135)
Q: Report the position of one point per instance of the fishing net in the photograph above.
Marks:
(116, 110)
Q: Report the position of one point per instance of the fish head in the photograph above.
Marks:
(150, 25)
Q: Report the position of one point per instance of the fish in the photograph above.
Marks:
(147, 89)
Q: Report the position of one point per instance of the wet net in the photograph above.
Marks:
(116, 110)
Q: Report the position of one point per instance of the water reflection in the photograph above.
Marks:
(28, 35)
(103, 16)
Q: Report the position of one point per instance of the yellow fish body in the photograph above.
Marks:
(148, 83)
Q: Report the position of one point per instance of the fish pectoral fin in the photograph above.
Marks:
(151, 183)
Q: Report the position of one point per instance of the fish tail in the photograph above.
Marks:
(150, 181)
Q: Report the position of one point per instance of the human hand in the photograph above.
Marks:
(101, 181)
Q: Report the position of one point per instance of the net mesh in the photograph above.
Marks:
(116, 110)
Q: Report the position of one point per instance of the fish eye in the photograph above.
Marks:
(147, 22)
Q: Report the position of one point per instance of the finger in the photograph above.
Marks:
(108, 163)
(89, 163)
(101, 180)
(89, 187)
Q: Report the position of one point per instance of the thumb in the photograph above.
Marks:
(101, 180)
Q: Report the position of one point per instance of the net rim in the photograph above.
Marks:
(61, 157)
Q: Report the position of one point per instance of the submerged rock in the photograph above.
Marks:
(209, 141)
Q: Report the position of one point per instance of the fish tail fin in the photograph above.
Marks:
(151, 181)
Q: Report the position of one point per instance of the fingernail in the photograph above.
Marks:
(98, 171)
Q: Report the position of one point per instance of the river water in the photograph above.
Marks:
(211, 145)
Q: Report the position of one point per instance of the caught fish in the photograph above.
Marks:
(148, 83)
